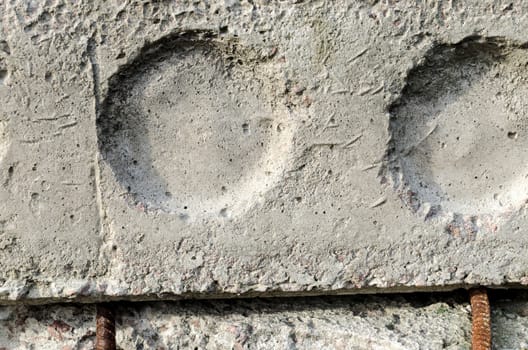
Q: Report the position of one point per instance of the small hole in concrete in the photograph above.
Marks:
(3, 75)
(245, 128)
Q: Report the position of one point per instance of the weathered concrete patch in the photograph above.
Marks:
(197, 149)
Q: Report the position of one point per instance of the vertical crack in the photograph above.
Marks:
(92, 57)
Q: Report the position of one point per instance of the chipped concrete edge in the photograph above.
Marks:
(89, 291)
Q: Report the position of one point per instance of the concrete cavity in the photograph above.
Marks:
(190, 128)
(459, 131)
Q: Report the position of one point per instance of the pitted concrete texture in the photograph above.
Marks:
(330, 323)
(358, 322)
(217, 148)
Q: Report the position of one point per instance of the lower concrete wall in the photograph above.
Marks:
(360, 322)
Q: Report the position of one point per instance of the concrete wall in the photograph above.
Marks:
(168, 149)
(154, 150)
(360, 322)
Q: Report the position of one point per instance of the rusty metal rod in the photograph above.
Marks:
(481, 319)
(105, 328)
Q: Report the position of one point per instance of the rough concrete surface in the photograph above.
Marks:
(358, 322)
(362, 323)
(160, 149)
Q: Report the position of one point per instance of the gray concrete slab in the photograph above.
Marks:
(197, 149)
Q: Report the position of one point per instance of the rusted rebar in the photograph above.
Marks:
(481, 319)
(105, 328)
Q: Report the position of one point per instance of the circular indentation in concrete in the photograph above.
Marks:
(460, 132)
(190, 128)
